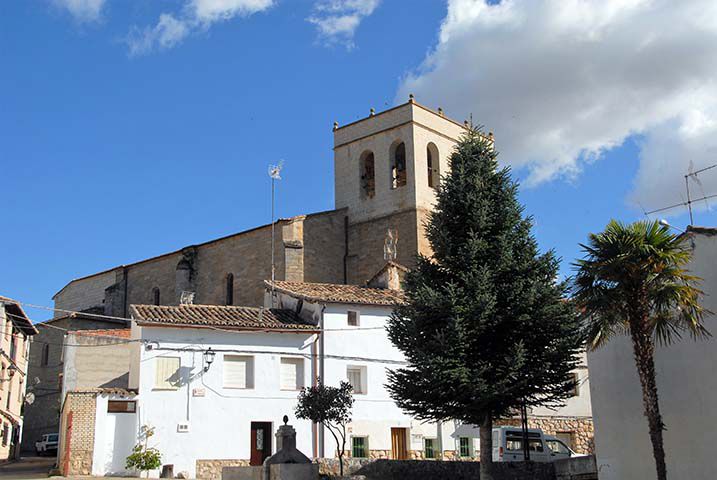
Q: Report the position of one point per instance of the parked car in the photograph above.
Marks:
(508, 446)
(48, 444)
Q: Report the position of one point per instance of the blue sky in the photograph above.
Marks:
(111, 153)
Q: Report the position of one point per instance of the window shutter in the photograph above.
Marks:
(354, 378)
(237, 371)
(166, 369)
(292, 373)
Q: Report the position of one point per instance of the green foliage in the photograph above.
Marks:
(143, 457)
(486, 325)
(331, 407)
(638, 271)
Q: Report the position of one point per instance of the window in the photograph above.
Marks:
(230, 289)
(9, 395)
(155, 295)
(292, 373)
(353, 318)
(238, 371)
(434, 175)
(429, 447)
(368, 175)
(514, 441)
(45, 355)
(556, 446)
(5, 434)
(398, 166)
(575, 379)
(13, 348)
(465, 445)
(166, 373)
(359, 447)
(121, 406)
(357, 378)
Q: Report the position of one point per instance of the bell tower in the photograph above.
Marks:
(386, 169)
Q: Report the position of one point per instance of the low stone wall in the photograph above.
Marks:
(428, 470)
(212, 469)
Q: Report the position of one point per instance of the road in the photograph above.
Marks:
(29, 468)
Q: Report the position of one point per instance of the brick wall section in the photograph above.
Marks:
(82, 437)
(212, 469)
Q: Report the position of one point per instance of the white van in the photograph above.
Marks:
(508, 446)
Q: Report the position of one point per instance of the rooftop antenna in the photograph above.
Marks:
(275, 174)
(690, 173)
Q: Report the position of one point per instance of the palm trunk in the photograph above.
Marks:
(486, 449)
(644, 349)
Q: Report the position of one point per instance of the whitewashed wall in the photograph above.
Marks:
(115, 435)
(687, 389)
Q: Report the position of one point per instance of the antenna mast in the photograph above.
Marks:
(275, 174)
(689, 202)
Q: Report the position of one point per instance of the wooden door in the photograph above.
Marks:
(260, 442)
(398, 443)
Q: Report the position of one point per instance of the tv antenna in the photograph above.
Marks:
(275, 174)
(691, 174)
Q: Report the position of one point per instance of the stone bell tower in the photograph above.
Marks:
(386, 169)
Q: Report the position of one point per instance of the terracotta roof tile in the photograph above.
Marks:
(247, 318)
(335, 293)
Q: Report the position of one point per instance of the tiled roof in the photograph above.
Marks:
(246, 318)
(18, 315)
(105, 332)
(334, 293)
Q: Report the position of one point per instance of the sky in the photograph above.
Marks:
(133, 128)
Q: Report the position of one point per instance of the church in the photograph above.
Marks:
(386, 169)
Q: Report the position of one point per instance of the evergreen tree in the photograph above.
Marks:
(486, 325)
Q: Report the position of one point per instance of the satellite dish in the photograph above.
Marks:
(30, 398)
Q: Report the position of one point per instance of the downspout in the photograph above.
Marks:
(314, 382)
(321, 373)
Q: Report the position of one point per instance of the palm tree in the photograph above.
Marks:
(632, 281)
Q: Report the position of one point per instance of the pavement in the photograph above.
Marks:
(27, 468)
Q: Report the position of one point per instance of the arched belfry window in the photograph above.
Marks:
(368, 175)
(398, 166)
(230, 289)
(45, 355)
(155, 295)
(434, 172)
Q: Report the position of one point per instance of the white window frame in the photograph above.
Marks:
(358, 318)
(299, 380)
(363, 378)
(248, 374)
(164, 384)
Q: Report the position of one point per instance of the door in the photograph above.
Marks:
(260, 442)
(398, 443)
(67, 440)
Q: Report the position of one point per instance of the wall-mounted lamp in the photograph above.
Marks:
(10, 373)
(208, 358)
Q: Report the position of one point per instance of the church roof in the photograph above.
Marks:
(213, 316)
(335, 293)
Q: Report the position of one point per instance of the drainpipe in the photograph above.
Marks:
(321, 373)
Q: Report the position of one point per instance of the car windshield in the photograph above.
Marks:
(556, 446)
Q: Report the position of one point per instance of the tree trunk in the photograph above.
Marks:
(486, 449)
(644, 350)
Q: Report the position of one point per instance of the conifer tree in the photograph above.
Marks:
(486, 325)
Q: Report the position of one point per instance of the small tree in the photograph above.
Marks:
(486, 326)
(330, 407)
(144, 457)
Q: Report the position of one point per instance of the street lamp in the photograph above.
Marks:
(208, 358)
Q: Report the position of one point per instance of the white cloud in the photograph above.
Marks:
(197, 15)
(561, 82)
(337, 20)
(82, 10)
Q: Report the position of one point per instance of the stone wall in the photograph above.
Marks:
(79, 411)
(212, 469)
(581, 429)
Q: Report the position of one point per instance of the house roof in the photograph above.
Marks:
(104, 332)
(335, 293)
(18, 316)
(241, 318)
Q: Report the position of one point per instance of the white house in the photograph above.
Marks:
(686, 384)
(215, 381)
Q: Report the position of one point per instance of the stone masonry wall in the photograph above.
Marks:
(212, 469)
